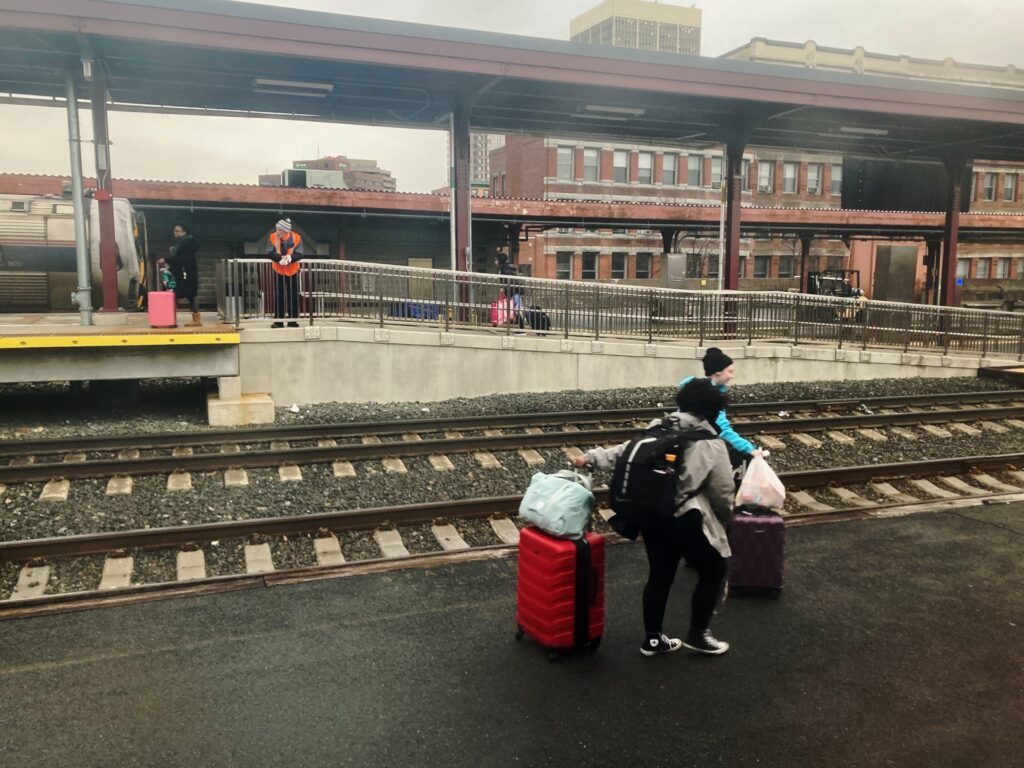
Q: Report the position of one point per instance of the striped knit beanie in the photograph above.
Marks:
(285, 225)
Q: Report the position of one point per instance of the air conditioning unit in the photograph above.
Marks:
(764, 187)
(716, 185)
(814, 190)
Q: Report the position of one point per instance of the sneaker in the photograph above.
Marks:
(293, 325)
(704, 642)
(661, 644)
(277, 325)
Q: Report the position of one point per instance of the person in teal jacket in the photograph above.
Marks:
(719, 369)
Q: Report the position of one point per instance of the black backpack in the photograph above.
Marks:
(646, 475)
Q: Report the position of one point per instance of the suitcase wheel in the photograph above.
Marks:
(594, 644)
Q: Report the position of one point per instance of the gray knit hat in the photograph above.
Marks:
(285, 224)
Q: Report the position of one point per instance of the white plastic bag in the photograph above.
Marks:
(761, 486)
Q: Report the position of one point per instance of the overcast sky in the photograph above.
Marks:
(238, 149)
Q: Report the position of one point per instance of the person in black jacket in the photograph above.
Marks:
(182, 262)
(513, 288)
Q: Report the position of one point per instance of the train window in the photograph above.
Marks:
(19, 205)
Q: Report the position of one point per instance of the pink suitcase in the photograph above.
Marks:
(162, 309)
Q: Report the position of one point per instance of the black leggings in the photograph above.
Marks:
(666, 544)
(286, 295)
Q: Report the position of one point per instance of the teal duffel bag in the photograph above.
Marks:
(560, 504)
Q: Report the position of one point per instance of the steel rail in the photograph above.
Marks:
(402, 449)
(362, 519)
(357, 429)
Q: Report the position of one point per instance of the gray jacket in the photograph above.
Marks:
(706, 466)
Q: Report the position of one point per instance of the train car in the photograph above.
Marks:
(37, 253)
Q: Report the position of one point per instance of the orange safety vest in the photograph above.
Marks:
(285, 269)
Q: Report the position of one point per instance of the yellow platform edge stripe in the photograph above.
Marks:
(124, 340)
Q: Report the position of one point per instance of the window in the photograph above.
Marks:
(834, 262)
(745, 176)
(837, 179)
(814, 178)
(618, 266)
(1010, 187)
(713, 265)
(643, 266)
(503, 185)
(1020, 269)
(785, 266)
(19, 205)
(990, 186)
(765, 176)
(789, 178)
(974, 187)
(563, 265)
(620, 166)
(694, 170)
(590, 165)
(565, 158)
(589, 266)
(495, 185)
(963, 267)
(669, 166)
(984, 268)
(618, 230)
(716, 173)
(761, 265)
(645, 172)
(1002, 267)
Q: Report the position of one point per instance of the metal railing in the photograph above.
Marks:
(361, 291)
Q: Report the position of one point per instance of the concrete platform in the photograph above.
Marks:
(897, 642)
(58, 348)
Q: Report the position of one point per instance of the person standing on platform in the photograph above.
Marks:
(719, 370)
(697, 530)
(182, 263)
(512, 287)
(285, 250)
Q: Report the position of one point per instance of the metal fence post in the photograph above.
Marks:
(700, 316)
(566, 311)
(864, 326)
(984, 335)
(750, 319)
(650, 317)
(380, 299)
(796, 321)
(1020, 343)
(597, 312)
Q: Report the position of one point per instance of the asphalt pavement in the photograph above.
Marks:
(897, 642)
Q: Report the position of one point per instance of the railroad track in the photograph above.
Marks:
(815, 496)
(501, 433)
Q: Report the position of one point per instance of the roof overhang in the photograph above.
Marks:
(217, 57)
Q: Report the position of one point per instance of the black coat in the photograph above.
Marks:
(182, 263)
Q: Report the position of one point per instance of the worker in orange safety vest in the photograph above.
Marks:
(285, 250)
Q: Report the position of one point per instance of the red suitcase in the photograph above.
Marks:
(560, 593)
(758, 543)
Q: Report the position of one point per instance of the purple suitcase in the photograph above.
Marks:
(758, 543)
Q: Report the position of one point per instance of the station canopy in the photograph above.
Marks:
(217, 57)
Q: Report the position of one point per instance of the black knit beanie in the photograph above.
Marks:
(715, 360)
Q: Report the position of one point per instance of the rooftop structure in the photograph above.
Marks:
(646, 26)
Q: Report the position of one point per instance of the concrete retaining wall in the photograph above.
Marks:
(360, 364)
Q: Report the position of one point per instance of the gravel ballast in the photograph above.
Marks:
(90, 510)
